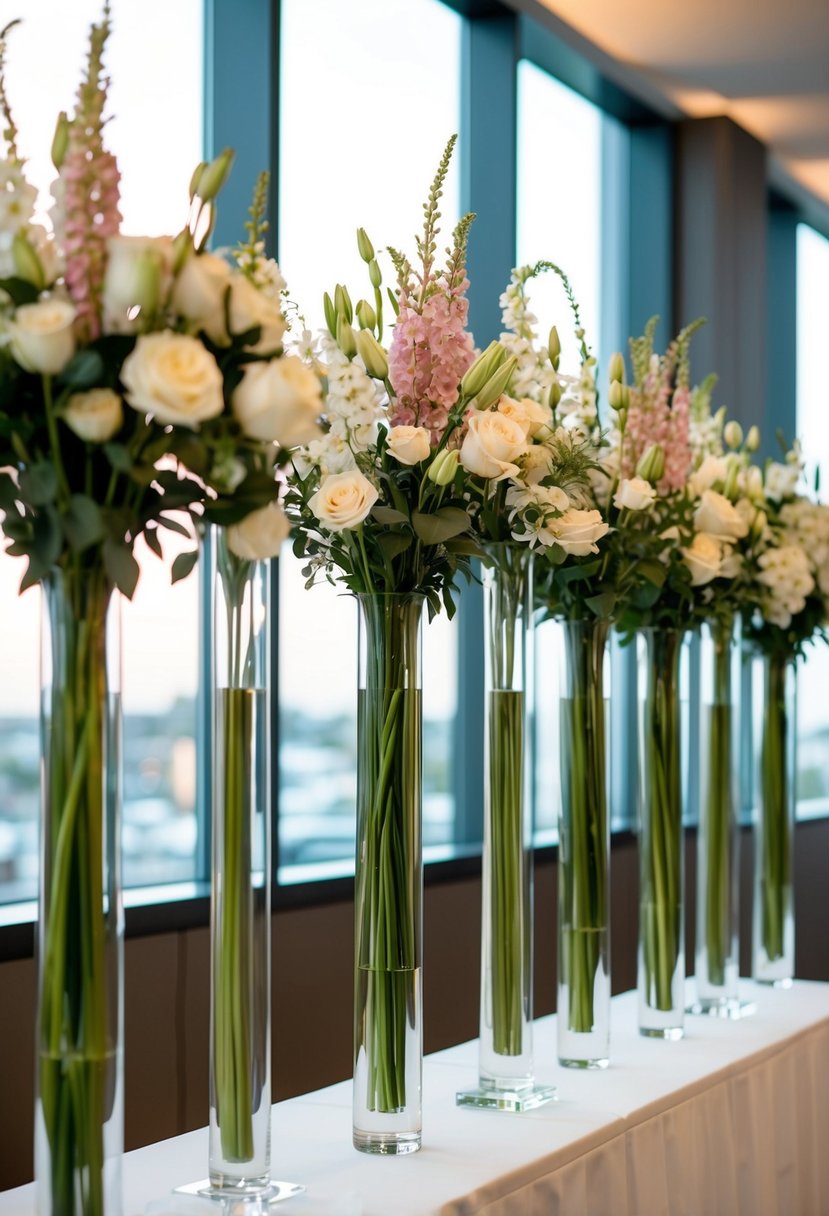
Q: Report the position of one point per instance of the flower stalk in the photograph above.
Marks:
(775, 799)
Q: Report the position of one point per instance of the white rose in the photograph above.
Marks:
(781, 480)
(125, 280)
(248, 308)
(577, 531)
(534, 418)
(42, 338)
(491, 445)
(94, 416)
(408, 444)
(715, 514)
(703, 558)
(634, 494)
(174, 378)
(713, 468)
(199, 290)
(279, 402)
(343, 500)
(260, 534)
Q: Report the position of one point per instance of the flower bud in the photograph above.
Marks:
(214, 176)
(758, 524)
(496, 385)
(554, 347)
(374, 274)
(183, 248)
(364, 246)
(346, 338)
(60, 140)
(195, 178)
(330, 314)
(444, 466)
(477, 375)
(730, 484)
(27, 265)
(733, 434)
(616, 395)
(651, 464)
(148, 282)
(366, 316)
(555, 394)
(753, 439)
(342, 303)
(372, 354)
(616, 370)
(754, 481)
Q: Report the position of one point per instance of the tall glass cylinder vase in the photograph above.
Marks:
(79, 1109)
(775, 734)
(662, 724)
(505, 1054)
(240, 914)
(717, 958)
(388, 1030)
(583, 1015)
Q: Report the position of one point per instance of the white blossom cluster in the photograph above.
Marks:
(785, 573)
(534, 375)
(17, 204)
(262, 271)
(354, 406)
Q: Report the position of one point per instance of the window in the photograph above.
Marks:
(813, 431)
(370, 93)
(156, 133)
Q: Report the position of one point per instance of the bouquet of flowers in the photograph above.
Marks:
(143, 389)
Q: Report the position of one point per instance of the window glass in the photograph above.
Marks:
(155, 133)
(813, 430)
(382, 79)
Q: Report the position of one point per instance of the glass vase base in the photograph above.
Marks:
(517, 1099)
(669, 1033)
(732, 1010)
(773, 982)
(386, 1144)
(255, 1198)
(575, 1062)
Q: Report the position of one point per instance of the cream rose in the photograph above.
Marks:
(634, 494)
(279, 402)
(576, 531)
(492, 444)
(534, 418)
(703, 558)
(42, 338)
(715, 514)
(260, 534)
(713, 468)
(199, 290)
(94, 416)
(248, 308)
(343, 500)
(127, 283)
(174, 378)
(408, 444)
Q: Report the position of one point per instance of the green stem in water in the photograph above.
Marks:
(718, 808)
(774, 807)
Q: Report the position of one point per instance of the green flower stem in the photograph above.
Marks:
(718, 817)
(774, 804)
(506, 591)
(76, 1049)
(388, 897)
(583, 850)
(661, 886)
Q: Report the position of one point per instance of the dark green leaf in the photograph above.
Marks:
(121, 567)
(118, 456)
(47, 537)
(84, 370)
(388, 515)
(154, 542)
(83, 523)
(393, 543)
(172, 525)
(601, 605)
(441, 526)
(21, 292)
(39, 483)
(183, 564)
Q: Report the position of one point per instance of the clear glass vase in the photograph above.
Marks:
(583, 1012)
(505, 1054)
(388, 1029)
(663, 724)
(775, 733)
(79, 1108)
(717, 958)
(240, 914)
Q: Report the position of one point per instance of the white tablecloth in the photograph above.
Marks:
(734, 1119)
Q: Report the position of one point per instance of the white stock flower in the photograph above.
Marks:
(408, 444)
(576, 531)
(703, 558)
(125, 279)
(491, 446)
(278, 402)
(781, 480)
(173, 377)
(712, 469)
(634, 494)
(533, 510)
(343, 500)
(42, 338)
(785, 572)
(716, 515)
(259, 535)
(94, 416)
(18, 197)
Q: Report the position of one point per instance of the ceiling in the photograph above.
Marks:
(764, 63)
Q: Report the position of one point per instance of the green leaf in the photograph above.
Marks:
(393, 543)
(84, 370)
(83, 523)
(118, 456)
(21, 291)
(388, 515)
(8, 492)
(154, 542)
(172, 525)
(654, 572)
(47, 537)
(601, 605)
(39, 484)
(441, 526)
(183, 564)
(121, 567)
(464, 545)
(645, 595)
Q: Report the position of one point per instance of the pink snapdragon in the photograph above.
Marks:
(659, 414)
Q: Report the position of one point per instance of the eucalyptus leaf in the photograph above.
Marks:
(183, 564)
(393, 543)
(388, 515)
(601, 605)
(84, 370)
(47, 537)
(172, 525)
(118, 456)
(39, 483)
(121, 567)
(436, 528)
(154, 542)
(83, 522)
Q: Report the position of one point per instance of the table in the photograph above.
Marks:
(734, 1119)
